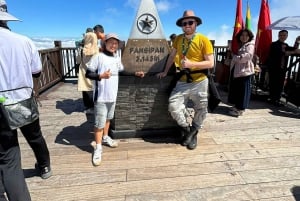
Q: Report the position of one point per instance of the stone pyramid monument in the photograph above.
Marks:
(147, 47)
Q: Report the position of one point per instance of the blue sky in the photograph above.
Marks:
(58, 19)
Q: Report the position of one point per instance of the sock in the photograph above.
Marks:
(104, 136)
(99, 147)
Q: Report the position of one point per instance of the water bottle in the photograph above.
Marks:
(2, 99)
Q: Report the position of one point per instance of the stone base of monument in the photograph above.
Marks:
(142, 108)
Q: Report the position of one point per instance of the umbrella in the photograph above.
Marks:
(287, 23)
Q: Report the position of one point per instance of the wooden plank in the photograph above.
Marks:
(101, 191)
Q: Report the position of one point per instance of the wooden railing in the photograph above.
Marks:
(59, 62)
(58, 65)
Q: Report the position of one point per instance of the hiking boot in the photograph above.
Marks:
(193, 143)
(109, 142)
(45, 172)
(188, 138)
(184, 132)
(97, 157)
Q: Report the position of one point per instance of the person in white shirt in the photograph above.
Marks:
(19, 63)
(12, 181)
(104, 69)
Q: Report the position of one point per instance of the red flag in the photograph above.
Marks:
(238, 25)
(263, 35)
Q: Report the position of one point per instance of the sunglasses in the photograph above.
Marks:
(191, 22)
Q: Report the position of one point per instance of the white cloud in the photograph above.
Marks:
(163, 6)
(221, 37)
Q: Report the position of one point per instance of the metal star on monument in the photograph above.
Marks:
(147, 23)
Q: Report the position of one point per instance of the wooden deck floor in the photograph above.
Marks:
(253, 157)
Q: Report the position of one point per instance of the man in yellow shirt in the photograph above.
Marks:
(192, 54)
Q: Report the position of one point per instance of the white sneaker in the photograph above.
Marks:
(97, 157)
(109, 142)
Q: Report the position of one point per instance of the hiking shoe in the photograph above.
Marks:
(109, 142)
(45, 172)
(97, 155)
(235, 112)
(189, 137)
(193, 143)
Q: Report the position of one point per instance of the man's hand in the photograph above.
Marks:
(161, 75)
(186, 63)
(140, 74)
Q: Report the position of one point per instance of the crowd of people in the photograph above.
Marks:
(100, 64)
(245, 63)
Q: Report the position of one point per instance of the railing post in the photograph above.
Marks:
(57, 44)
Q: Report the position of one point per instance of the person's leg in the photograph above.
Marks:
(2, 190)
(33, 135)
(106, 140)
(100, 121)
(273, 84)
(177, 104)
(247, 93)
(232, 89)
(90, 102)
(85, 99)
(281, 79)
(244, 92)
(199, 96)
(12, 177)
(177, 108)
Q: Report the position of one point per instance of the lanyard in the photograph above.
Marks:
(185, 49)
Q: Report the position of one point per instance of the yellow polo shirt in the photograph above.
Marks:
(199, 46)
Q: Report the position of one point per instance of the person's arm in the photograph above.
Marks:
(138, 73)
(207, 63)
(169, 64)
(92, 75)
(245, 56)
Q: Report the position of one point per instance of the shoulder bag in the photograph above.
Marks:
(17, 114)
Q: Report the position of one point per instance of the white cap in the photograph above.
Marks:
(4, 15)
(111, 35)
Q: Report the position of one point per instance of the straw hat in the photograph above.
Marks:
(4, 15)
(187, 15)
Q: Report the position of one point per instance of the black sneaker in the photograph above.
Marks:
(45, 172)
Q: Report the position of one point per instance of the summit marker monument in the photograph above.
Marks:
(142, 103)
(147, 47)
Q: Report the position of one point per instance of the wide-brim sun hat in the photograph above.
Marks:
(111, 35)
(188, 14)
(4, 15)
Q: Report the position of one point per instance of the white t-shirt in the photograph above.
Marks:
(106, 90)
(19, 59)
